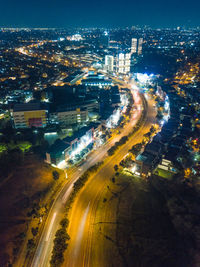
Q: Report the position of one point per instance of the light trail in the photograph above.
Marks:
(50, 227)
(44, 248)
(80, 234)
(68, 192)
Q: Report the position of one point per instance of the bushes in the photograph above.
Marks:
(116, 168)
(112, 150)
(30, 244)
(121, 142)
(64, 222)
(83, 179)
(55, 175)
(127, 162)
(124, 139)
(60, 241)
(136, 149)
(60, 245)
(34, 231)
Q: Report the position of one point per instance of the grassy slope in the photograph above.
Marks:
(142, 234)
(29, 184)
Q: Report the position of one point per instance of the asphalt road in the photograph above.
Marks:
(81, 250)
(84, 207)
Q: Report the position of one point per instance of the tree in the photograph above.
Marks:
(30, 244)
(113, 179)
(34, 231)
(159, 115)
(136, 149)
(55, 175)
(147, 135)
(60, 246)
(116, 167)
(152, 129)
(64, 222)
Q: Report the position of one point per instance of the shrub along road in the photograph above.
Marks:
(82, 247)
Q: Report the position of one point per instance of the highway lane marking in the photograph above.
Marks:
(51, 225)
(80, 232)
(64, 200)
(37, 256)
(44, 249)
(67, 193)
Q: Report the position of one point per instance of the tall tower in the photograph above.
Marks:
(120, 63)
(134, 46)
(109, 63)
(123, 63)
(127, 63)
(140, 42)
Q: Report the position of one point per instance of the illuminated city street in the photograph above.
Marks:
(89, 197)
(43, 252)
(99, 133)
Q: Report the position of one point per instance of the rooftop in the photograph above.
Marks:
(28, 107)
(58, 147)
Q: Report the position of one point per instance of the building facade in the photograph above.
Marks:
(140, 42)
(123, 63)
(77, 116)
(70, 147)
(136, 46)
(74, 114)
(29, 115)
(109, 63)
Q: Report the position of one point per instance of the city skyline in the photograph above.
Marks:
(99, 133)
(104, 14)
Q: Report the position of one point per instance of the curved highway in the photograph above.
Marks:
(82, 250)
(83, 210)
(45, 245)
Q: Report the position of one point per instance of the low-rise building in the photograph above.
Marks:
(57, 152)
(29, 115)
(72, 147)
(97, 80)
(74, 114)
(77, 116)
(146, 163)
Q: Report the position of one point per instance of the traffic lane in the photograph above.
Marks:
(43, 248)
(90, 195)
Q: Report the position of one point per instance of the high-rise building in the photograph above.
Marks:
(123, 62)
(127, 62)
(140, 42)
(136, 46)
(109, 63)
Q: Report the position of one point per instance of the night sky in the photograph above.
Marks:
(103, 13)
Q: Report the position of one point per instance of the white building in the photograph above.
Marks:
(109, 63)
(123, 63)
(136, 46)
(140, 42)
